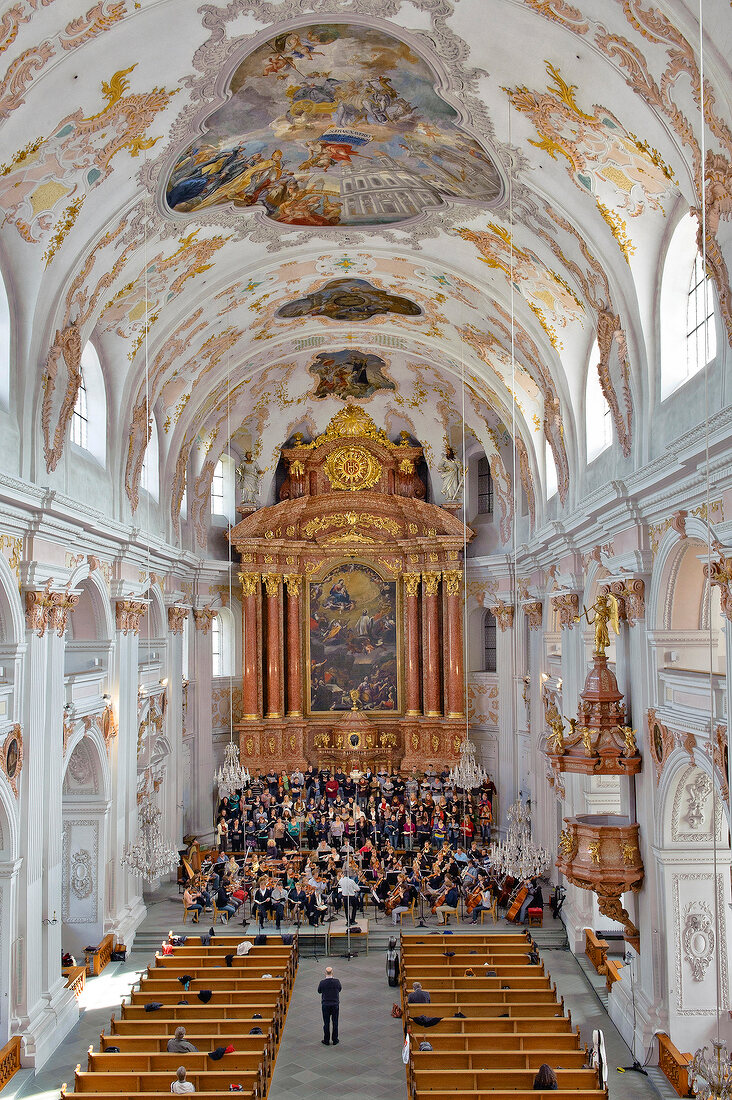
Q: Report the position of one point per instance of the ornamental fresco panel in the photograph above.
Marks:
(352, 636)
(349, 300)
(333, 124)
(349, 373)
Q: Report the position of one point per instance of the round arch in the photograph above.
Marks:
(100, 609)
(12, 618)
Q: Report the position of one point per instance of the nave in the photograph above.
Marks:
(368, 1061)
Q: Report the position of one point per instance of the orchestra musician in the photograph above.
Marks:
(261, 901)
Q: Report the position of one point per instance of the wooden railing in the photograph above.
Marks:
(674, 1064)
(596, 951)
(9, 1060)
(612, 973)
(75, 979)
(97, 960)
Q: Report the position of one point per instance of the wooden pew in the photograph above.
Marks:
(127, 1084)
(460, 1081)
(497, 1059)
(136, 1043)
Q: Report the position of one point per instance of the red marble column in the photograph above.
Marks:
(454, 676)
(411, 663)
(432, 647)
(250, 664)
(272, 584)
(294, 644)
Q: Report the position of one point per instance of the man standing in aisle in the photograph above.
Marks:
(330, 992)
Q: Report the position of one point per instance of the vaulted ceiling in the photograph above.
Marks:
(230, 199)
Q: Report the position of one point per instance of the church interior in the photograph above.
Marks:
(365, 517)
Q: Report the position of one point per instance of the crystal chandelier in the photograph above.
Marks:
(517, 855)
(149, 856)
(231, 776)
(711, 1073)
(467, 774)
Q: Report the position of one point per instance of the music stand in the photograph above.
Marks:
(422, 922)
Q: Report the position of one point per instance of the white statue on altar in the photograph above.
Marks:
(249, 476)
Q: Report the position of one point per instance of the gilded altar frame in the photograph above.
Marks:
(390, 578)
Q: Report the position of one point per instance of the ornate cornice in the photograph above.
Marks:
(177, 615)
(128, 614)
(533, 612)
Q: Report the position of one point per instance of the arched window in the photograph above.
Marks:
(89, 418)
(150, 475)
(4, 348)
(216, 646)
(489, 642)
(222, 643)
(552, 483)
(222, 489)
(598, 416)
(485, 488)
(80, 417)
(688, 330)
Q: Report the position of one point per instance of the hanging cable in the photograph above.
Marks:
(707, 486)
(514, 494)
(148, 421)
(231, 605)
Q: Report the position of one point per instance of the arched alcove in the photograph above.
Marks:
(685, 606)
(85, 812)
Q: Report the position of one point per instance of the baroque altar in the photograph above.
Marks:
(352, 609)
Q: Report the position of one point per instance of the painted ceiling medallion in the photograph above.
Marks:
(333, 124)
(349, 373)
(349, 300)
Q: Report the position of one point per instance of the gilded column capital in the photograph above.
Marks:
(61, 604)
(503, 614)
(411, 583)
(533, 612)
(203, 617)
(719, 573)
(452, 579)
(249, 583)
(294, 584)
(177, 615)
(272, 583)
(128, 615)
(567, 606)
(635, 600)
(431, 583)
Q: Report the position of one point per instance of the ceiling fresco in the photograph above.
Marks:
(348, 374)
(349, 300)
(296, 203)
(333, 124)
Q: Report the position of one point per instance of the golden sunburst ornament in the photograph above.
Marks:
(352, 468)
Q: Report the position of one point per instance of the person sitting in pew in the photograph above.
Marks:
(180, 1084)
(179, 1044)
(545, 1079)
(418, 996)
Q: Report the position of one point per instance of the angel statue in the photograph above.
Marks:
(628, 733)
(452, 475)
(606, 611)
(249, 476)
(557, 726)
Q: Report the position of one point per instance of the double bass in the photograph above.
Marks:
(518, 899)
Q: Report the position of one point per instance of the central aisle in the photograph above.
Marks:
(367, 1061)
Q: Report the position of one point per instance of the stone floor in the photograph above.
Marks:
(366, 1065)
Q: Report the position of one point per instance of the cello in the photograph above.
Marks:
(518, 899)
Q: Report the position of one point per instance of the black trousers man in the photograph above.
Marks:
(330, 992)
